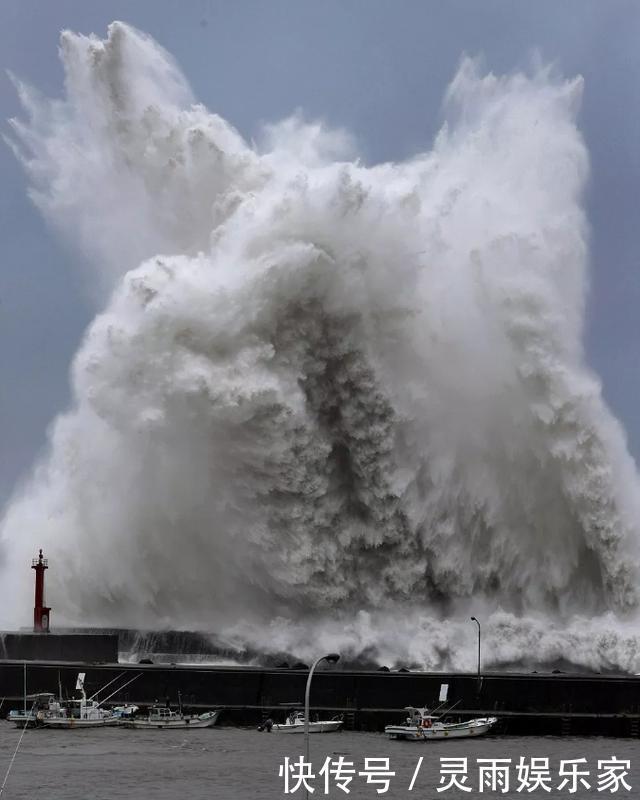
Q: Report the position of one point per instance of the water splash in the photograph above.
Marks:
(320, 389)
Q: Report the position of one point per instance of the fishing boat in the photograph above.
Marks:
(163, 719)
(85, 712)
(295, 724)
(36, 706)
(81, 713)
(422, 726)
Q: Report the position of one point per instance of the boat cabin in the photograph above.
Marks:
(163, 714)
(420, 717)
(35, 707)
(83, 709)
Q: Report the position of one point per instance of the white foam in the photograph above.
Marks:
(318, 387)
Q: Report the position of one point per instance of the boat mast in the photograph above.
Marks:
(80, 687)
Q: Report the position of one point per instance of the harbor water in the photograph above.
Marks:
(234, 763)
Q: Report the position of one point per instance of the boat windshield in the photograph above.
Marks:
(163, 712)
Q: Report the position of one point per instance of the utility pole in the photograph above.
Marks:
(473, 619)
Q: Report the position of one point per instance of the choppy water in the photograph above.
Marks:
(229, 763)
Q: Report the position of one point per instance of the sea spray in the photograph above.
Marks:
(319, 390)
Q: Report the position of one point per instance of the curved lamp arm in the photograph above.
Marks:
(331, 658)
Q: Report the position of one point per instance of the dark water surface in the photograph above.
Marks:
(234, 763)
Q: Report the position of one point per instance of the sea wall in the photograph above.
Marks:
(544, 704)
(95, 648)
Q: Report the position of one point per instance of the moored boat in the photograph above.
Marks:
(81, 713)
(422, 726)
(165, 719)
(295, 724)
(36, 706)
(85, 712)
(125, 712)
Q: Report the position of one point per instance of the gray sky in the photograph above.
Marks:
(376, 67)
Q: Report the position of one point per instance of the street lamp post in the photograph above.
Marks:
(331, 658)
(473, 619)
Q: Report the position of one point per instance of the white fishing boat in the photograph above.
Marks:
(165, 719)
(81, 713)
(85, 712)
(295, 724)
(422, 726)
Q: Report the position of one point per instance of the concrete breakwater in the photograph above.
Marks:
(527, 704)
(98, 648)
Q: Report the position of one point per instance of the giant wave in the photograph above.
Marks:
(326, 403)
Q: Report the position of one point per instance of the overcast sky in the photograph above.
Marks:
(378, 68)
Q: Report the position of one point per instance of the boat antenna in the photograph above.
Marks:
(95, 694)
(436, 709)
(120, 688)
(448, 710)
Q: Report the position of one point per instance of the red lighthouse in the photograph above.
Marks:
(41, 613)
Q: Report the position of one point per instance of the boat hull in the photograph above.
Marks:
(69, 723)
(330, 726)
(462, 730)
(21, 720)
(207, 720)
